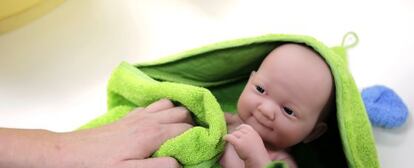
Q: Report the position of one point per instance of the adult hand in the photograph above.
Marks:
(128, 141)
(123, 144)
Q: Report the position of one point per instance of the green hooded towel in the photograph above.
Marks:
(209, 80)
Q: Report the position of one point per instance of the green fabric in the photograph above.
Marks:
(201, 143)
(223, 68)
(277, 164)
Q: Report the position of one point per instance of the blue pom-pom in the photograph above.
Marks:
(385, 108)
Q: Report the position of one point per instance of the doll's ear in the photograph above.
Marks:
(384, 107)
(319, 130)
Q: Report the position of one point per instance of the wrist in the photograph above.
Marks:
(47, 143)
(28, 148)
(67, 149)
(44, 150)
(74, 148)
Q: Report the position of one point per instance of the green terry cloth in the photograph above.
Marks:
(130, 88)
(223, 69)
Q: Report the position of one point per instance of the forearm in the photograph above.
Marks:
(28, 148)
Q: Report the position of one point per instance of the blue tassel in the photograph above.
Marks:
(385, 108)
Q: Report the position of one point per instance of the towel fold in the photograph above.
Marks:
(201, 145)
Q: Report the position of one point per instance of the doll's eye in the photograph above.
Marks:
(260, 89)
(288, 111)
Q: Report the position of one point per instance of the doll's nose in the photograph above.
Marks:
(267, 110)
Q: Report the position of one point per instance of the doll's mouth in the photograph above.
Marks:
(263, 121)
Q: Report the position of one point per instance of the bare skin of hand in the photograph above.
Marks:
(122, 144)
(249, 146)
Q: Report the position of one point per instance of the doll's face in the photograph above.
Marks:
(283, 100)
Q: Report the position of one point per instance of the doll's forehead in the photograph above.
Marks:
(296, 55)
(299, 70)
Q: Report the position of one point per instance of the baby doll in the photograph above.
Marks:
(284, 103)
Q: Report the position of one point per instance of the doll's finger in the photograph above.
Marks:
(230, 138)
(237, 134)
(246, 127)
(231, 118)
(159, 105)
(243, 129)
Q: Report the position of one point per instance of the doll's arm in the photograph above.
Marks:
(230, 158)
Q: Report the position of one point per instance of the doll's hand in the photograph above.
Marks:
(249, 146)
(232, 121)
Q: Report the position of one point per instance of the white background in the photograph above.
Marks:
(53, 71)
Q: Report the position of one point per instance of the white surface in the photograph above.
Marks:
(53, 72)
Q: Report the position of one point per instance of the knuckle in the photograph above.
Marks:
(156, 128)
(182, 109)
(150, 129)
(166, 102)
(157, 134)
